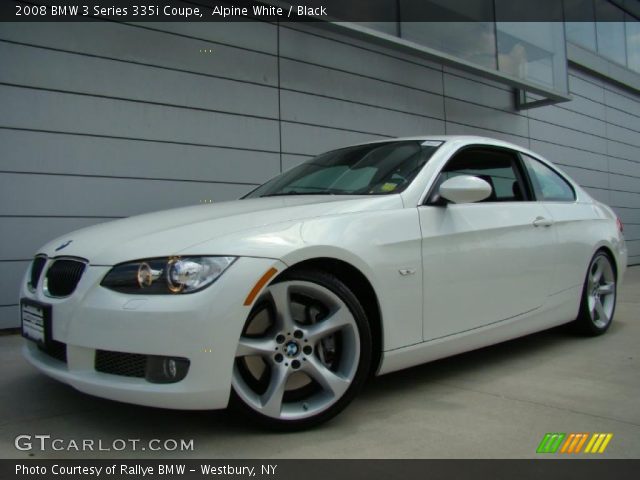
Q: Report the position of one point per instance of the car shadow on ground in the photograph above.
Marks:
(519, 350)
(113, 419)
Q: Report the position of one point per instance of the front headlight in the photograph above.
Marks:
(162, 276)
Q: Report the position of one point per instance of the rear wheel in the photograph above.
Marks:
(304, 352)
(599, 294)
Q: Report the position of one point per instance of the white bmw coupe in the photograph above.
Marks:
(363, 260)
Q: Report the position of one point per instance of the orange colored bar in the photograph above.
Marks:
(567, 442)
(581, 443)
(576, 439)
(258, 286)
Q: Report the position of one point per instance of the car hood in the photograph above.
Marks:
(181, 230)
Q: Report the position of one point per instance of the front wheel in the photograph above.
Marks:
(598, 302)
(304, 352)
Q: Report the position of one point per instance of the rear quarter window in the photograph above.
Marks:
(547, 184)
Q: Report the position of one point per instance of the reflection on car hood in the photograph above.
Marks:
(171, 231)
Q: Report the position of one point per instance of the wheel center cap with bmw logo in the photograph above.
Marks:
(291, 349)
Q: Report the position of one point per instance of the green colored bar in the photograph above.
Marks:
(542, 448)
(558, 442)
(550, 443)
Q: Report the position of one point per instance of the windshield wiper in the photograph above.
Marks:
(293, 192)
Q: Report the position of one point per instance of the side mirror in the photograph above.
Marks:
(465, 189)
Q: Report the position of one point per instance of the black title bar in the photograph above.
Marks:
(547, 469)
(315, 10)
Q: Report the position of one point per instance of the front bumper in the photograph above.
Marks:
(203, 327)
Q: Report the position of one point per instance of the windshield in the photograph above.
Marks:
(373, 169)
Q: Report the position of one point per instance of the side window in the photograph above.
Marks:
(547, 184)
(499, 168)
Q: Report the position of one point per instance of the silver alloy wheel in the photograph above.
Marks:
(307, 360)
(601, 291)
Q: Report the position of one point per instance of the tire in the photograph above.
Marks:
(304, 352)
(599, 295)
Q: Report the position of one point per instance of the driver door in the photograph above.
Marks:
(488, 261)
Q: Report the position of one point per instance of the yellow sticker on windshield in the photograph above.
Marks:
(388, 187)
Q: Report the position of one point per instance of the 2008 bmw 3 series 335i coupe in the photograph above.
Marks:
(363, 260)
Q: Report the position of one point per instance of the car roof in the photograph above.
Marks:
(468, 139)
(463, 140)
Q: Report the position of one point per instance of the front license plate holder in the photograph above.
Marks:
(35, 321)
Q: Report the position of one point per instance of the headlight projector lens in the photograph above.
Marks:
(145, 276)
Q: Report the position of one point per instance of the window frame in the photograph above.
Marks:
(433, 199)
(551, 167)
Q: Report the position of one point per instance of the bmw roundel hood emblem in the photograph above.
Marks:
(64, 245)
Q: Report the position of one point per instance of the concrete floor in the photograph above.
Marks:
(497, 402)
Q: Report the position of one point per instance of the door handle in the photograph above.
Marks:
(542, 222)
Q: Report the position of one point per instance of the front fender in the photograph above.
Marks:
(378, 243)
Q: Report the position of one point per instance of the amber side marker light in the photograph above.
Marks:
(259, 284)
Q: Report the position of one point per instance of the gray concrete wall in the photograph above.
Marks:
(101, 121)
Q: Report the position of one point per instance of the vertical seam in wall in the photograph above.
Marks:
(606, 145)
(279, 94)
(444, 98)
(528, 124)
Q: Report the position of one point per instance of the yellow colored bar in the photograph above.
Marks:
(591, 442)
(598, 442)
(605, 443)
